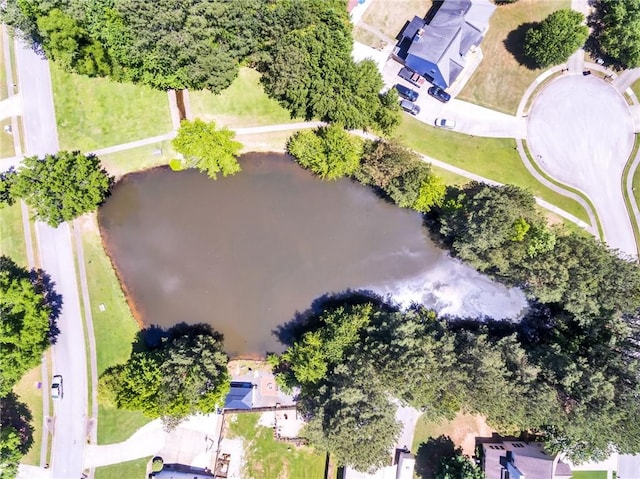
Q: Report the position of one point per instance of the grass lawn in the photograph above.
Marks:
(243, 104)
(125, 470)
(11, 234)
(31, 395)
(589, 475)
(276, 141)
(116, 425)
(94, 113)
(390, 16)
(6, 140)
(140, 158)
(501, 80)
(462, 430)
(493, 158)
(636, 88)
(367, 38)
(3, 71)
(266, 458)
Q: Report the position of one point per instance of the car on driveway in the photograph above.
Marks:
(412, 108)
(411, 76)
(56, 387)
(444, 123)
(439, 94)
(406, 93)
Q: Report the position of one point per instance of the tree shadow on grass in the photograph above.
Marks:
(17, 415)
(514, 43)
(431, 453)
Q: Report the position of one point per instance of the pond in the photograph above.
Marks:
(246, 253)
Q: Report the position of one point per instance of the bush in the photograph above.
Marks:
(157, 464)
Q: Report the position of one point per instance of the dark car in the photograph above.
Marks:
(412, 108)
(439, 94)
(406, 93)
(56, 387)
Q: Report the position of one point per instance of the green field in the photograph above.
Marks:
(636, 88)
(390, 16)
(266, 458)
(30, 394)
(501, 79)
(126, 470)
(12, 235)
(140, 158)
(590, 475)
(94, 113)
(493, 158)
(241, 105)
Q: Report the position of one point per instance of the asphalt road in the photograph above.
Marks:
(57, 259)
(580, 131)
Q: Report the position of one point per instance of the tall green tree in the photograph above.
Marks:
(458, 466)
(63, 186)
(207, 148)
(618, 30)
(329, 151)
(16, 434)
(24, 321)
(556, 38)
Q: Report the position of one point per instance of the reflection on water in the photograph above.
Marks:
(246, 253)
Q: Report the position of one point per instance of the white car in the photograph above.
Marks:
(444, 123)
(56, 387)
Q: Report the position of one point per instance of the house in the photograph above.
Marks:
(181, 471)
(521, 460)
(240, 396)
(437, 48)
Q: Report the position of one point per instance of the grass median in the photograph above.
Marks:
(125, 470)
(12, 242)
(636, 88)
(493, 158)
(94, 113)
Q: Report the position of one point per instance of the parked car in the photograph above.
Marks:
(412, 108)
(444, 123)
(411, 76)
(406, 93)
(56, 387)
(439, 94)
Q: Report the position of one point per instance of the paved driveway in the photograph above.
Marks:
(580, 131)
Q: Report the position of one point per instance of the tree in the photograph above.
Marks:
(351, 417)
(329, 151)
(618, 30)
(7, 179)
(24, 322)
(556, 38)
(382, 161)
(186, 373)
(458, 466)
(63, 186)
(16, 434)
(210, 150)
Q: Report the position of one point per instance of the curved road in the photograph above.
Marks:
(57, 259)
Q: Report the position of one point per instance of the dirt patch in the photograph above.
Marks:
(88, 223)
(463, 431)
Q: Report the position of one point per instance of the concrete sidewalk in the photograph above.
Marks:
(12, 106)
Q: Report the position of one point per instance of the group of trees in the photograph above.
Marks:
(58, 187)
(27, 318)
(615, 34)
(394, 171)
(171, 375)
(303, 48)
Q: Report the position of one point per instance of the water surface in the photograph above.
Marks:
(245, 253)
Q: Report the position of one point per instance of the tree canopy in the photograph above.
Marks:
(25, 319)
(210, 150)
(617, 30)
(61, 187)
(556, 38)
(16, 434)
(329, 151)
(185, 373)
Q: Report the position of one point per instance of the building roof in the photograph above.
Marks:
(181, 471)
(522, 460)
(240, 396)
(457, 26)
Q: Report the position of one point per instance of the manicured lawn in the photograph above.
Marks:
(6, 140)
(125, 470)
(94, 113)
(367, 38)
(590, 475)
(276, 141)
(493, 158)
(501, 80)
(636, 88)
(3, 72)
(11, 234)
(390, 16)
(29, 393)
(116, 425)
(140, 158)
(241, 105)
(266, 458)
(449, 177)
